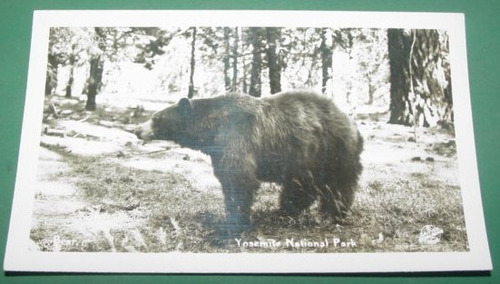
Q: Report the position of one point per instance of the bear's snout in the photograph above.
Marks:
(144, 131)
(138, 132)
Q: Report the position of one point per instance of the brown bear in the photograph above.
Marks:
(298, 139)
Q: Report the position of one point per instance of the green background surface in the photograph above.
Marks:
(483, 40)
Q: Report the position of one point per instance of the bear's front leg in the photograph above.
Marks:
(238, 188)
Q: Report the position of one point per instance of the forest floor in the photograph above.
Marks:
(101, 189)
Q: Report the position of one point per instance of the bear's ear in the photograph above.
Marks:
(184, 107)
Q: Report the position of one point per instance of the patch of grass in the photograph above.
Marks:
(398, 210)
(174, 215)
(387, 216)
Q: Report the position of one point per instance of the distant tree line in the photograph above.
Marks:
(249, 58)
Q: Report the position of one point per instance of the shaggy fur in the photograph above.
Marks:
(297, 139)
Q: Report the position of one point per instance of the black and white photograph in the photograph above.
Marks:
(247, 142)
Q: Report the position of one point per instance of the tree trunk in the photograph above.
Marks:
(399, 52)
(245, 75)
(273, 35)
(226, 59)
(256, 37)
(420, 78)
(69, 85)
(72, 61)
(234, 85)
(192, 65)
(326, 59)
(94, 82)
(371, 91)
(51, 76)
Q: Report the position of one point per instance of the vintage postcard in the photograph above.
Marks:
(247, 142)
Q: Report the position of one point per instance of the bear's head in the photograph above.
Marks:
(168, 124)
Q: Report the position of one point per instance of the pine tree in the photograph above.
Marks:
(420, 78)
